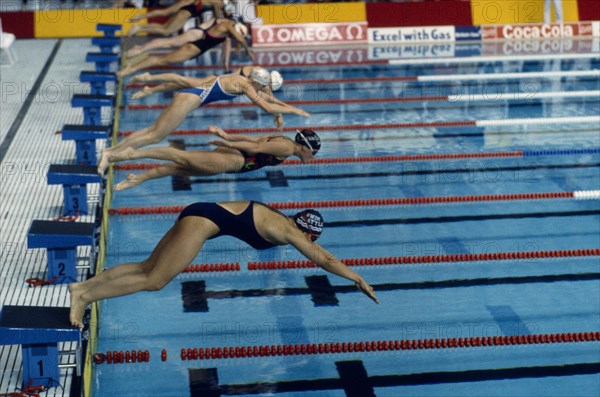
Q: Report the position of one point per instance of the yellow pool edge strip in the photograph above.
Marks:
(88, 372)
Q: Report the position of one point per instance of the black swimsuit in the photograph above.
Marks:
(255, 161)
(208, 41)
(239, 226)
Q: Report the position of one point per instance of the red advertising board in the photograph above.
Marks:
(536, 31)
(309, 34)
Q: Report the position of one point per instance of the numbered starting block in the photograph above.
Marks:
(106, 43)
(109, 30)
(60, 240)
(38, 330)
(85, 140)
(92, 106)
(102, 60)
(97, 81)
(74, 179)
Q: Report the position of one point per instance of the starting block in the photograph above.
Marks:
(38, 330)
(85, 140)
(91, 105)
(102, 60)
(74, 179)
(109, 29)
(106, 43)
(97, 81)
(60, 240)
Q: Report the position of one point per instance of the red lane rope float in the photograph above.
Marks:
(122, 357)
(368, 159)
(312, 102)
(382, 345)
(316, 81)
(414, 260)
(164, 209)
(212, 268)
(353, 127)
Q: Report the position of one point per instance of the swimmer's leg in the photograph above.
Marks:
(173, 253)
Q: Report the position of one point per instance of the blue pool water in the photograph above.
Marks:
(427, 301)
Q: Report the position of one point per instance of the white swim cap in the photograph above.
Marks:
(241, 29)
(260, 75)
(276, 80)
(229, 8)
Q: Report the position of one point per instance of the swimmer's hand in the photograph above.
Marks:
(218, 132)
(302, 113)
(366, 289)
(137, 18)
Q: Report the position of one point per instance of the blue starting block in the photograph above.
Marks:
(97, 81)
(106, 43)
(60, 240)
(102, 60)
(85, 140)
(109, 29)
(38, 330)
(91, 105)
(74, 179)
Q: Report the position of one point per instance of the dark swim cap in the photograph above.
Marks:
(310, 221)
(309, 139)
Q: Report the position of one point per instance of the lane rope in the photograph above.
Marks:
(383, 345)
(578, 195)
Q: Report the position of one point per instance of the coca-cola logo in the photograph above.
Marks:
(537, 31)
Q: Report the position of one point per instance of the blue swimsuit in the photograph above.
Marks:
(239, 226)
(213, 94)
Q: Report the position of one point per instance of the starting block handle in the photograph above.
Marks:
(102, 60)
(97, 81)
(108, 29)
(106, 43)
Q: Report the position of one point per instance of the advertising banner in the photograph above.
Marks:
(536, 31)
(309, 34)
(411, 35)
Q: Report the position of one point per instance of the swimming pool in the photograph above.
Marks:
(435, 174)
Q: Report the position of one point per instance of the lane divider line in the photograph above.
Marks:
(509, 96)
(436, 78)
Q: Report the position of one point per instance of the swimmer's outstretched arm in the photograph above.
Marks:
(240, 39)
(330, 263)
(273, 108)
(237, 137)
(280, 148)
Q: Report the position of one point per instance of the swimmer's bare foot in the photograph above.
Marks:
(104, 162)
(121, 73)
(143, 93)
(134, 29)
(77, 306)
(134, 51)
(140, 78)
(132, 180)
